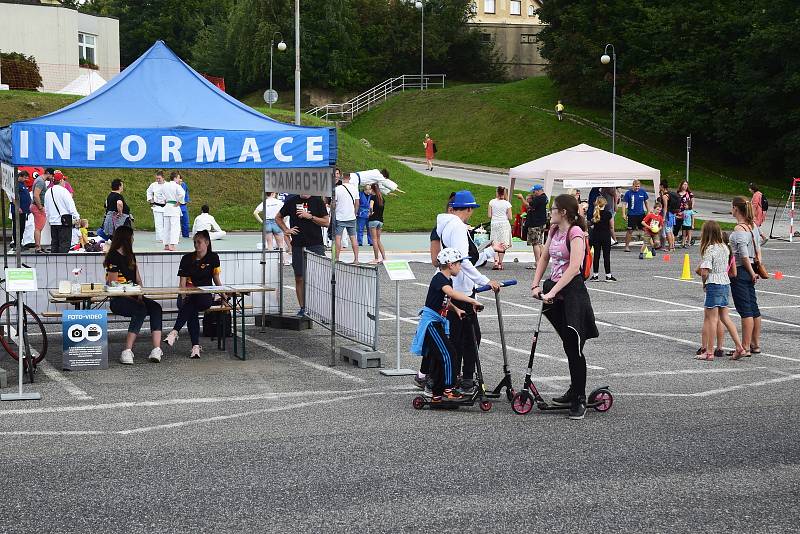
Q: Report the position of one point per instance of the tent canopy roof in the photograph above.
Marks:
(584, 162)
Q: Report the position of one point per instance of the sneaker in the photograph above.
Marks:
(195, 354)
(427, 392)
(627, 249)
(594, 278)
(420, 382)
(301, 312)
(452, 394)
(155, 355)
(641, 255)
(126, 357)
(578, 409)
(171, 338)
(467, 387)
(610, 278)
(563, 400)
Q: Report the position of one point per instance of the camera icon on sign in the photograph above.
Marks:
(76, 333)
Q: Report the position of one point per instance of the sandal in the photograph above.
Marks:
(738, 355)
(718, 353)
(755, 350)
(707, 357)
(700, 351)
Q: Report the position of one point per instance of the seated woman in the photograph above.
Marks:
(197, 269)
(121, 267)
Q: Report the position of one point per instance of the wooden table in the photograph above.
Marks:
(87, 297)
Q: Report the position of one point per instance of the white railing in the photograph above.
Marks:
(374, 96)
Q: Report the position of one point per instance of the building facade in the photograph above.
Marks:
(512, 26)
(63, 41)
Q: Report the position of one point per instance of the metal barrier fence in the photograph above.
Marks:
(357, 298)
(158, 269)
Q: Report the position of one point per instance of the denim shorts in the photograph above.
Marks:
(350, 225)
(375, 224)
(716, 296)
(743, 290)
(271, 227)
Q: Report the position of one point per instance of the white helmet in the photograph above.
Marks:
(449, 255)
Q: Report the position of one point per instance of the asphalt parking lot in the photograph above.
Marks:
(284, 443)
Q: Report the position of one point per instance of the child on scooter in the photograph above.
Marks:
(431, 339)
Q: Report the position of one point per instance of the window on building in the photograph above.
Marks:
(527, 38)
(515, 7)
(473, 8)
(86, 48)
(486, 37)
(531, 10)
(489, 6)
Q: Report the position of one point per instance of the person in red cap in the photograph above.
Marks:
(61, 214)
(61, 179)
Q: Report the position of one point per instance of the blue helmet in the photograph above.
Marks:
(464, 199)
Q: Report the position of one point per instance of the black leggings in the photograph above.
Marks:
(601, 244)
(466, 337)
(189, 309)
(573, 348)
(137, 310)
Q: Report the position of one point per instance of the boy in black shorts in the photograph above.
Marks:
(431, 340)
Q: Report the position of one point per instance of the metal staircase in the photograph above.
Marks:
(342, 113)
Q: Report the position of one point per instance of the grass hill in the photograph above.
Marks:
(504, 125)
(233, 194)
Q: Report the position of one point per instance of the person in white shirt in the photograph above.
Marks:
(58, 202)
(270, 208)
(206, 221)
(174, 196)
(465, 333)
(500, 213)
(347, 203)
(155, 197)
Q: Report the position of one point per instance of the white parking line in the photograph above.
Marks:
(63, 381)
(746, 386)
(792, 295)
(301, 361)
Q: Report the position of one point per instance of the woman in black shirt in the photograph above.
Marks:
(117, 211)
(197, 269)
(121, 268)
(375, 223)
(600, 238)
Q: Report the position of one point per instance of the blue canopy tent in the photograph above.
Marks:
(157, 113)
(160, 112)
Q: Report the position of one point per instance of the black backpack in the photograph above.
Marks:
(211, 326)
(674, 202)
(764, 203)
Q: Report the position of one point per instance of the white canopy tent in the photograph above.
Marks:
(585, 166)
(87, 83)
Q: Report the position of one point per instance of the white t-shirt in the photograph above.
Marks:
(272, 208)
(345, 202)
(205, 221)
(499, 209)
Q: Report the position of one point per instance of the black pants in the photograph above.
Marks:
(60, 238)
(466, 337)
(189, 309)
(601, 244)
(573, 348)
(440, 353)
(18, 225)
(137, 310)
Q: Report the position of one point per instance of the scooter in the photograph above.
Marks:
(506, 381)
(480, 395)
(600, 399)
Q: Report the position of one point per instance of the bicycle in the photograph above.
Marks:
(34, 335)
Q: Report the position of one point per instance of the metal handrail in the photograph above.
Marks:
(364, 101)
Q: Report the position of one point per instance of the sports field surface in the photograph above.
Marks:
(284, 443)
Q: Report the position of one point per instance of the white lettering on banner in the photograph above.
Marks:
(278, 150)
(61, 146)
(23, 143)
(171, 146)
(206, 153)
(124, 148)
(250, 150)
(314, 148)
(93, 146)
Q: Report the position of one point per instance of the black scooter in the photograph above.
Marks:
(480, 396)
(600, 399)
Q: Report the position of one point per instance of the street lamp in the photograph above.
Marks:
(420, 4)
(605, 60)
(297, 62)
(281, 48)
